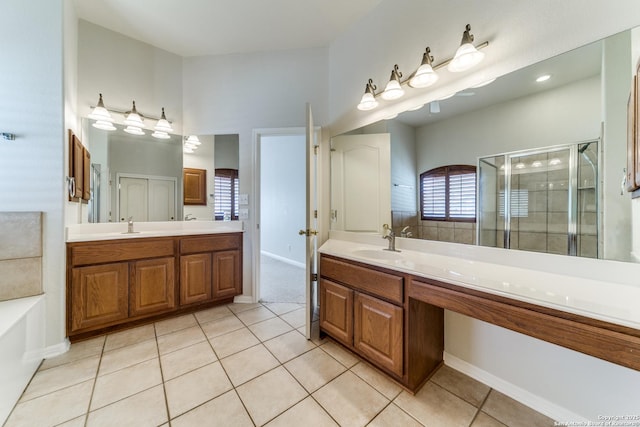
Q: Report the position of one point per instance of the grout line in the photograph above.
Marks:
(479, 408)
(164, 388)
(95, 381)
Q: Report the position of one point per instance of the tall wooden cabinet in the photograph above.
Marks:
(112, 283)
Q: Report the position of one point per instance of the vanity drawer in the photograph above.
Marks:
(121, 250)
(378, 283)
(221, 242)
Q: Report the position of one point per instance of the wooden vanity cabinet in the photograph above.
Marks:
(210, 268)
(153, 286)
(113, 284)
(363, 309)
(336, 311)
(366, 309)
(100, 295)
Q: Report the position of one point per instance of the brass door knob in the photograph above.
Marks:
(307, 232)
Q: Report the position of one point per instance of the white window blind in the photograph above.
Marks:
(226, 192)
(519, 203)
(449, 193)
(462, 195)
(434, 196)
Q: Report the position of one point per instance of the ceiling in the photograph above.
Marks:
(216, 27)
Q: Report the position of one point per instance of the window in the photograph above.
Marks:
(226, 194)
(448, 193)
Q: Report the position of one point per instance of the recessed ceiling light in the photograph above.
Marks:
(543, 78)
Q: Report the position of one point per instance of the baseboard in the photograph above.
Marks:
(243, 299)
(283, 259)
(523, 396)
(57, 349)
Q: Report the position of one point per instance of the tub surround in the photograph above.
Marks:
(20, 254)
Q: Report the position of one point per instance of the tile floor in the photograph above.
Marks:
(244, 365)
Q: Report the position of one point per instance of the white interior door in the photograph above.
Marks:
(162, 200)
(311, 221)
(134, 196)
(361, 182)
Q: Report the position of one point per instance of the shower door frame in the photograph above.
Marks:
(572, 211)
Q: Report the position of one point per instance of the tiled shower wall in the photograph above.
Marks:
(455, 232)
(20, 254)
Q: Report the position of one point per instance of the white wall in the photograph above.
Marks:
(239, 93)
(126, 70)
(282, 196)
(635, 203)
(404, 173)
(32, 107)
(616, 218)
(564, 115)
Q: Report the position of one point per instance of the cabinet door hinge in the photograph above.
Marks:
(314, 277)
(315, 149)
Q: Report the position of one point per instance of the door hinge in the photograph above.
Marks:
(314, 277)
(315, 149)
(315, 213)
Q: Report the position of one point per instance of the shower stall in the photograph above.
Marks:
(552, 200)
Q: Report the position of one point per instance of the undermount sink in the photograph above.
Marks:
(377, 254)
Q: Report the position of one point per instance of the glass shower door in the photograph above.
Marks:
(491, 224)
(540, 201)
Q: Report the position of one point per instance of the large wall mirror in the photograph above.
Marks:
(553, 150)
(142, 177)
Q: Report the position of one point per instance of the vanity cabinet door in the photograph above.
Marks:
(153, 286)
(226, 274)
(336, 311)
(195, 278)
(378, 331)
(100, 295)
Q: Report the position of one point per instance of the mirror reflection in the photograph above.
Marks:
(519, 120)
(217, 160)
(152, 179)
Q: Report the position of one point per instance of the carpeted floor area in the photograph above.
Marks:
(281, 282)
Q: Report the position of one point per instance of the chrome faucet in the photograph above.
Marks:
(391, 237)
(130, 225)
(405, 232)
(189, 217)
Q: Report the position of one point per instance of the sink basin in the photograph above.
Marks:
(377, 254)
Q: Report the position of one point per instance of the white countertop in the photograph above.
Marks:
(118, 230)
(611, 300)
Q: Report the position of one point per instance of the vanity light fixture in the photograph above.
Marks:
(467, 56)
(193, 139)
(162, 128)
(102, 117)
(536, 164)
(424, 76)
(393, 90)
(555, 161)
(368, 101)
(134, 122)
